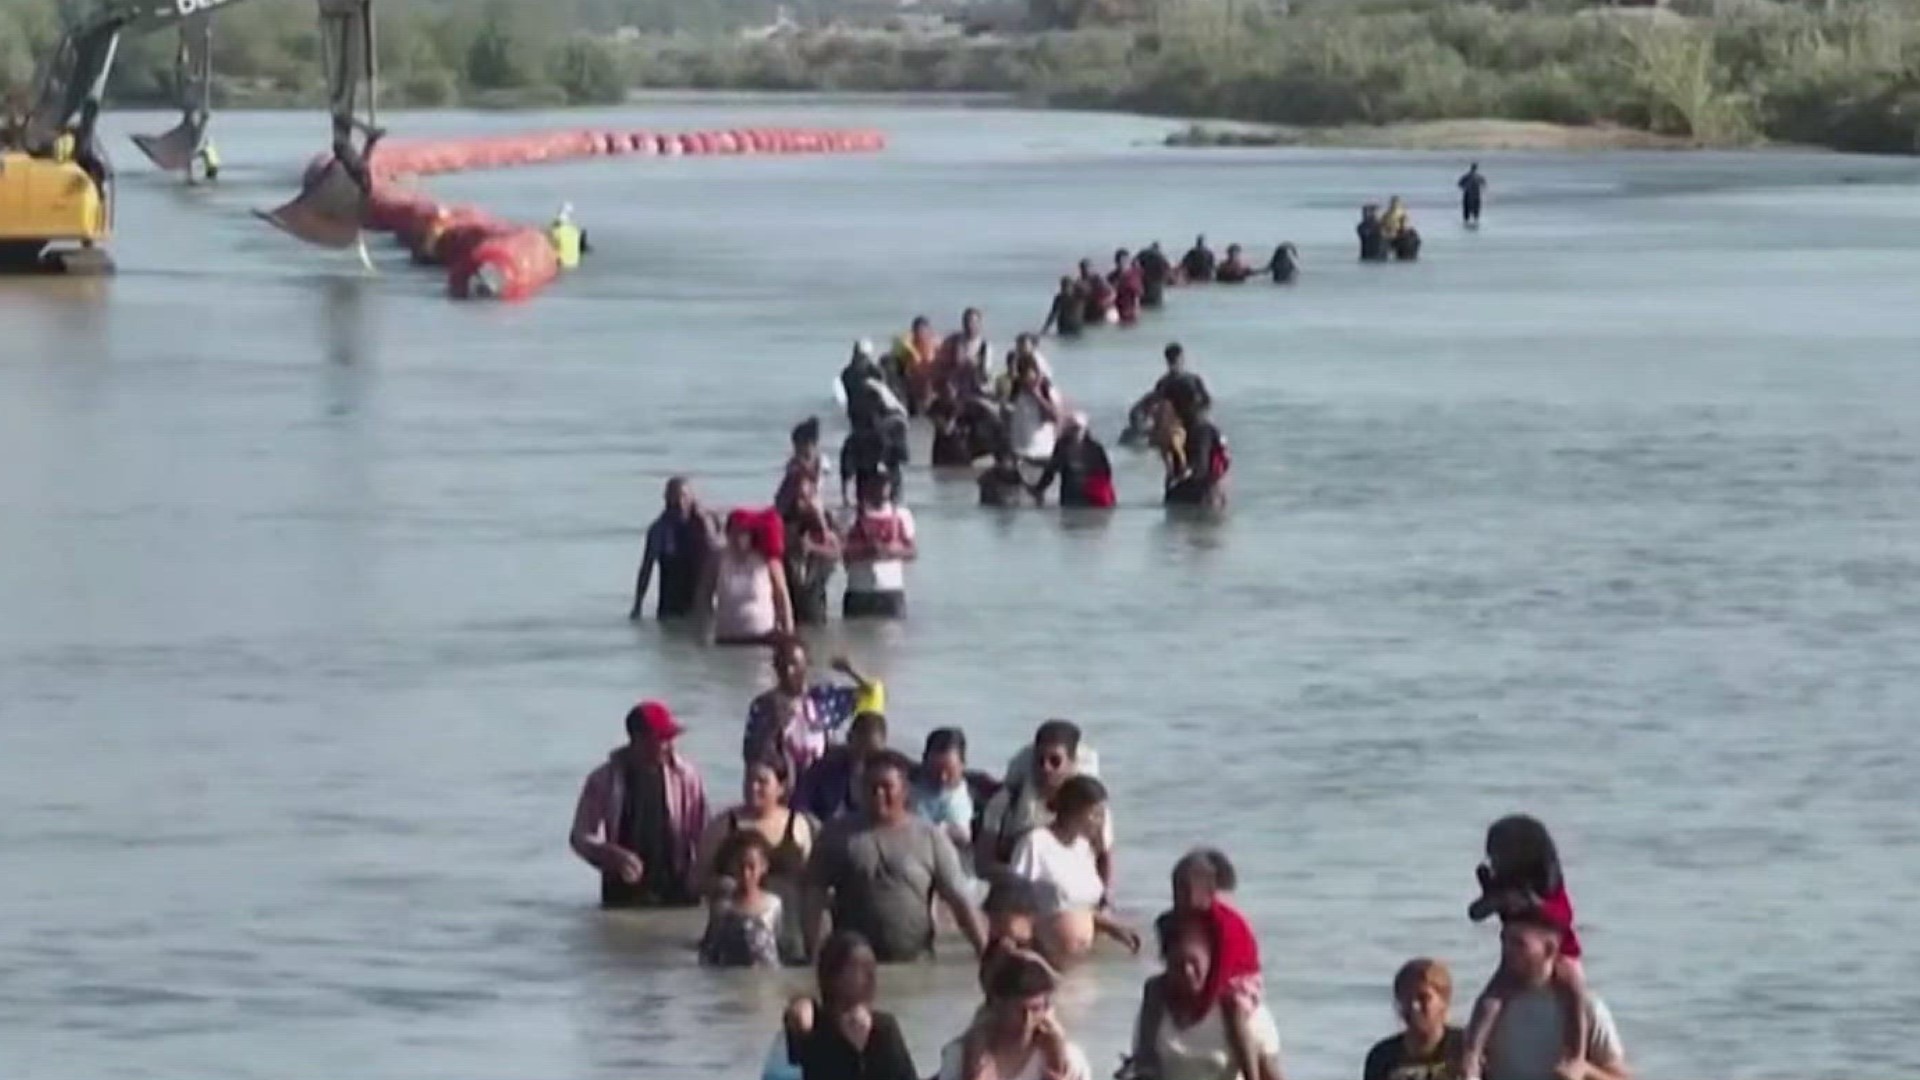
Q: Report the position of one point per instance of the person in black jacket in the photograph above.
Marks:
(840, 1035)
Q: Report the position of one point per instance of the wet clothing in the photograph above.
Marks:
(878, 449)
(680, 546)
(1068, 316)
(1198, 264)
(1128, 290)
(963, 432)
(823, 709)
(1086, 476)
(883, 880)
(744, 608)
(1529, 1034)
(1186, 392)
(1199, 1051)
(866, 406)
(788, 862)
(1392, 1059)
(1096, 298)
(825, 1054)
(1155, 272)
(876, 578)
(826, 791)
(657, 812)
(1283, 268)
(1197, 487)
(1406, 244)
(1472, 187)
(1373, 242)
(1002, 485)
(808, 575)
(736, 938)
(880, 604)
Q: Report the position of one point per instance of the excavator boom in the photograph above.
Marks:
(58, 133)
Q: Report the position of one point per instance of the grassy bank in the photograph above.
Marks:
(1845, 75)
(1849, 79)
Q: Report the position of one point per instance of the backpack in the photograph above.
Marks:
(1219, 460)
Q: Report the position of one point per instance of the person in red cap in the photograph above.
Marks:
(640, 816)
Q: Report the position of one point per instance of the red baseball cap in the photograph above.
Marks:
(655, 719)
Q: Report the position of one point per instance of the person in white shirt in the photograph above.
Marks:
(1188, 1039)
(878, 544)
(1058, 860)
(1528, 1035)
(1020, 805)
(1017, 1036)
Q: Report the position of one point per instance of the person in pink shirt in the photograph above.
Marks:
(640, 816)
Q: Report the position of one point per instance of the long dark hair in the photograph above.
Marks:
(1521, 853)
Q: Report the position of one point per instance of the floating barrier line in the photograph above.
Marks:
(488, 257)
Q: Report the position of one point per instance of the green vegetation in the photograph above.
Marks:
(1845, 74)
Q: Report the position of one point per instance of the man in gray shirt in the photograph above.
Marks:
(1529, 1033)
(879, 870)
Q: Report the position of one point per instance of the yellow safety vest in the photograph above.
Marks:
(566, 243)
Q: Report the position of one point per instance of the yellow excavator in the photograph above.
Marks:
(57, 184)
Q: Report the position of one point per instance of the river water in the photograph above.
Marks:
(315, 591)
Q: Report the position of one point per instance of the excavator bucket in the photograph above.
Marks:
(327, 212)
(174, 150)
(193, 79)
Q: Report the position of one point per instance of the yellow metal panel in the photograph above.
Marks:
(49, 200)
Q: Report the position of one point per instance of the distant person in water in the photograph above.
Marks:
(804, 464)
(1095, 294)
(1406, 244)
(1473, 187)
(1373, 242)
(1001, 484)
(1080, 463)
(1394, 219)
(1129, 287)
(1235, 270)
(965, 359)
(1156, 273)
(1204, 484)
(1198, 263)
(910, 364)
(1285, 264)
(1068, 316)
(640, 816)
(680, 542)
(1183, 389)
(878, 545)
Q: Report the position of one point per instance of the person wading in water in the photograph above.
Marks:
(640, 815)
(680, 542)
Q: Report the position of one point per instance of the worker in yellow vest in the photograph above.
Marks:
(568, 240)
(209, 158)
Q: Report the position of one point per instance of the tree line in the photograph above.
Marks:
(1839, 73)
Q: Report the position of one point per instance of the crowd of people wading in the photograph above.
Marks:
(843, 849)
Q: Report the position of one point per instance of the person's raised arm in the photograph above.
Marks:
(645, 579)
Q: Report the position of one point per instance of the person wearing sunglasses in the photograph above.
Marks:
(1034, 777)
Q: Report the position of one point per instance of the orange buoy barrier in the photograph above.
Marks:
(490, 258)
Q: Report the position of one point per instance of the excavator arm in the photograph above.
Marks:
(73, 81)
(176, 149)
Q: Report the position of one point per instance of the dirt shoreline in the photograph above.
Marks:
(1460, 135)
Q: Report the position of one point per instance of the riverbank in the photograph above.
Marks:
(1461, 135)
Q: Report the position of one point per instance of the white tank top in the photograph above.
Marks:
(742, 597)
